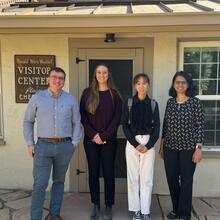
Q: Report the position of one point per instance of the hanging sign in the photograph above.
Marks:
(31, 73)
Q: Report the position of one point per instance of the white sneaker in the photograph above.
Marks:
(137, 215)
(145, 217)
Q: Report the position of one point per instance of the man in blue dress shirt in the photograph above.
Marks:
(58, 131)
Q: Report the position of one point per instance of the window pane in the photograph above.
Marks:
(193, 69)
(204, 65)
(210, 122)
(196, 84)
(209, 138)
(218, 122)
(218, 108)
(209, 107)
(219, 69)
(218, 138)
(191, 55)
(219, 87)
(209, 71)
(208, 87)
(209, 55)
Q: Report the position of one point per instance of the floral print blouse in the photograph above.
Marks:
(183, 125)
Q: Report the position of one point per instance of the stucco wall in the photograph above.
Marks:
(15, 164)
(164, 66)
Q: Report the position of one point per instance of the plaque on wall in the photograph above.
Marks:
(31, 73)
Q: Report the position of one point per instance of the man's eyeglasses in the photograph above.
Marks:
(60, 78)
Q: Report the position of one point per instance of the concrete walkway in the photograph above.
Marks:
(15, 205)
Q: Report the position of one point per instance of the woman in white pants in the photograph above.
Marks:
(141, 125)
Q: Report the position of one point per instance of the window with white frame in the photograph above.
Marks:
(202, 60)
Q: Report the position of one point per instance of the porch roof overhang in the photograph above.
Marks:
(202, 15)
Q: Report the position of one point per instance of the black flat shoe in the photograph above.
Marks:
(108, 213)
(172, 215)
(95, 214)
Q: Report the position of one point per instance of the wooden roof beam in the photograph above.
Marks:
(40, 7)
(200, 7)
(165, 8)
(130, 9)
(96, 9)
(8, 9)
(71, 7)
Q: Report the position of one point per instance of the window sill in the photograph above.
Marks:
(211, 152)
(2, 142)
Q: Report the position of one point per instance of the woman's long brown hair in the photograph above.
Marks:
(93, 98)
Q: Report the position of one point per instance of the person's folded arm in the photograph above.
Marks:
(77, 131)
(156, 128)
(126, 126)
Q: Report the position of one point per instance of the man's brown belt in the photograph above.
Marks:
(55, 140)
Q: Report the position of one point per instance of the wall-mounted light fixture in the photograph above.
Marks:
(109, 38)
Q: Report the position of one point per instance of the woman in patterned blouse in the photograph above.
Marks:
(181, 143)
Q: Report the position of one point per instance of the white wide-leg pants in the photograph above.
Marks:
(140, 170)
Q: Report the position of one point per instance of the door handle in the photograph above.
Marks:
(78, 60)
(79, 171)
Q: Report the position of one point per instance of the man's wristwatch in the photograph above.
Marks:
(199, 146)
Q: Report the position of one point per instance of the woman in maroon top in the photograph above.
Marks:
(101, 108)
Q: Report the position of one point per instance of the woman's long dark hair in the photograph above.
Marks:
(93, 98)
(190, 92)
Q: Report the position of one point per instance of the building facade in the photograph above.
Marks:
(158, 37)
